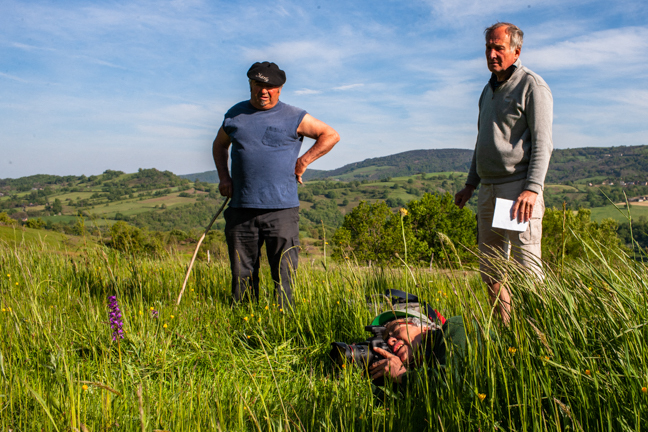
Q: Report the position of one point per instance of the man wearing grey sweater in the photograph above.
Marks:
(511, 158)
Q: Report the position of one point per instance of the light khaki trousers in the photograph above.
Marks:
(524, 247)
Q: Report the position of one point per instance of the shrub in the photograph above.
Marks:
(371, 232)
(579, 231)
(434, 214)
(35, 223)
(133, 241)
(6, 220)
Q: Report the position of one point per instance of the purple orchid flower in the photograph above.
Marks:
(115, 317)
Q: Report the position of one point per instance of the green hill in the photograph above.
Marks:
(162, 201)
(588, 164)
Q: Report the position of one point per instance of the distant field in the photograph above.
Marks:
(561, 188)
(72, 195)
(19, 236)
(100, 220)
(637, 210)
(363, 171)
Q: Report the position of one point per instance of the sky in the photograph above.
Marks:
(87, 86)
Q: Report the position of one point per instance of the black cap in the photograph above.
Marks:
(267, 73)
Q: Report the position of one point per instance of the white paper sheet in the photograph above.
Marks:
(503, 216)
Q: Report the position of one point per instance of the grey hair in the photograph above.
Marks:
(515, 34)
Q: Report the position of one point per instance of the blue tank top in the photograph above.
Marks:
(265, 147)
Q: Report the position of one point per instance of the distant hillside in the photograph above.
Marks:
(212, 176)
(206, 177)
(401, 164)
(581, 164)
(595, 164)
(397, 165)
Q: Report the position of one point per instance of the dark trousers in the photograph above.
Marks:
(246, 230)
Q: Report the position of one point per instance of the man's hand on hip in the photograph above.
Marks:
(462, 197)
(225, 188)
(300, 169)
(523, 207)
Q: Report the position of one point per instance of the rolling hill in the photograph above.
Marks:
(588, 164)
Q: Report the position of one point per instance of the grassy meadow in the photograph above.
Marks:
(637, 210)
(575, 357)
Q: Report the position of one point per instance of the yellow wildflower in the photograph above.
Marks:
(481, 396)
(246, 318)
(281, 310)
(165, 326)
(84, 387)
(588, 372)
(172, 316)
(141, 313)
(403, 212)
(644, 389)
(512, 350)
(152, 308)
(266, 307)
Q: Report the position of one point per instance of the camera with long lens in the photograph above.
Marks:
(361, 353)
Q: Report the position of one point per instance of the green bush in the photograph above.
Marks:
(371, 232)
(134, 241)
(35, 223)
(578, 232)
(434, 214)
(6, 220)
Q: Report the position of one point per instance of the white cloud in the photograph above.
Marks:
(296, 52)
(348, 87)
(12, 77)
(457, 10)
(307, 92)
(609, 49)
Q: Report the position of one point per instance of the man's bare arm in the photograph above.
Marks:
(220, 151)
(325, 138)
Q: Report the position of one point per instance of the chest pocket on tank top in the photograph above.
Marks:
(275, 137)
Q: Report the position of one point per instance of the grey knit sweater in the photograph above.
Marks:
(514, 139)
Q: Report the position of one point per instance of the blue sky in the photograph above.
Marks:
(95, 85)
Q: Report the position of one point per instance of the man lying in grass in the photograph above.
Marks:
(414, 343)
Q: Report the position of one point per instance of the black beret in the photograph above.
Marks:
(268, 73)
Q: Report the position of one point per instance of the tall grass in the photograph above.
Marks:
(573, 358)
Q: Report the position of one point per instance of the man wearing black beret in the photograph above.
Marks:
(266, 137)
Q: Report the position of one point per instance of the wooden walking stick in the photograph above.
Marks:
(184, 285)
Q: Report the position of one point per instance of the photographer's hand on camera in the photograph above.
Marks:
(391, 366)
